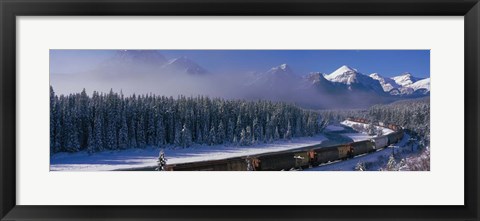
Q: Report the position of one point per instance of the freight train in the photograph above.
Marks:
(304, 157)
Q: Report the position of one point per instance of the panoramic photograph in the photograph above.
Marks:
(239, 110)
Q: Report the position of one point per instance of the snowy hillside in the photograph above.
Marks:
(405, 84)
(387, 83)
(421, 84)
(405, 79)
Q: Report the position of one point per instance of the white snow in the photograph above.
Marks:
(351, 123)
(405, 79)
(421, 84)
(139, 158)
(344, 74)
(387, 83)
(358, 136)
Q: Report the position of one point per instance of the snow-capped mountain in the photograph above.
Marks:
(316, 77)
(318, 81)
(405, 79)
(185, 65)
(387, 83)
(344, 74)
(149, 71)
(128, 62)
(354, 79)
(283, 69)
(277, 77)
(139, 56)
(421, 84)
(404, 84)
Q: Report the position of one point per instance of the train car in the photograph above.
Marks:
(232, 164)
(395, 137)
(380, 142)
(302, 159)
(345, 151)
(362, 147)
(277, 161)
(325, 154)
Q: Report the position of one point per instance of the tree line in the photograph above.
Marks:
(112, 121)
(413, 115)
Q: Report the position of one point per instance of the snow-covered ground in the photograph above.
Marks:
(140, 158)
(365, 126)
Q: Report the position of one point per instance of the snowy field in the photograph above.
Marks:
(139, 158)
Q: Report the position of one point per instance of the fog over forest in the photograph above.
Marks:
(150, 72)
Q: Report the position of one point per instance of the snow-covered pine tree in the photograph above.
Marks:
(269, 130)
(239, 127)
(360, 166)
(221, 133)
(160, 132)
(248, 135)
(107, 115)
(178, 134)
(161, 161)
(212, 136)
(371, 129)
(230, 130)
(391, 164)
(288, 134)
(91, 141)
(123, 133)
(141, 140)
(52, 121)
(277, 134)
(298, 127)
(186, 136)
(257, 132)
(243, 138)
(150, 133)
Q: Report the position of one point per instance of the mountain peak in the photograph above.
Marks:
(315, 77)
(140, 56)
(344, 74)
(346, 67)
(405, 79)
(283, 68)
(185, 64)
(375, 76)
(386, 83)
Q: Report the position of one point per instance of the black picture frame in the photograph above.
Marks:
(470, 9)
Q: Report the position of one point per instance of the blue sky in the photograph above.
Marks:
(385, 62)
